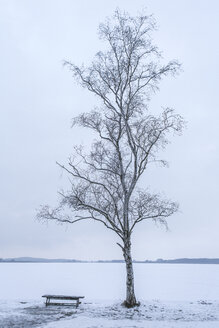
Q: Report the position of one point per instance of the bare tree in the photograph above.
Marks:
(104, 182)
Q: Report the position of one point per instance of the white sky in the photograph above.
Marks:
(38, 99)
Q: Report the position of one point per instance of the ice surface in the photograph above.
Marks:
(172, 295)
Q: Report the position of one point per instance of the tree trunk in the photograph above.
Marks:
(130, 292)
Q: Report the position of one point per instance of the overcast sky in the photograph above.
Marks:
(38, 100)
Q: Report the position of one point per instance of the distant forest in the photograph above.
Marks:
(158, 261)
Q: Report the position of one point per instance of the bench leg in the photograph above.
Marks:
(47, 301)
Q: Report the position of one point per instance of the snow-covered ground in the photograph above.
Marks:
(171, 295)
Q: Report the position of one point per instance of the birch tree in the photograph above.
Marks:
(105, 180)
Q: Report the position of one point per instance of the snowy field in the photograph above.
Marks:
(171, 295)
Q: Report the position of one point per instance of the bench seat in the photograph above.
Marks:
(75, 300)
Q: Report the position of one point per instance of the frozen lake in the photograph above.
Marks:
(106, 281)
(165, 290)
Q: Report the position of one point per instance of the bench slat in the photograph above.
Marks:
(63, 297)
(64, 304)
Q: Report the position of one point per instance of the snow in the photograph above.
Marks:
(171, 295)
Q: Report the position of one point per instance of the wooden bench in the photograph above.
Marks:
(75, 300)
